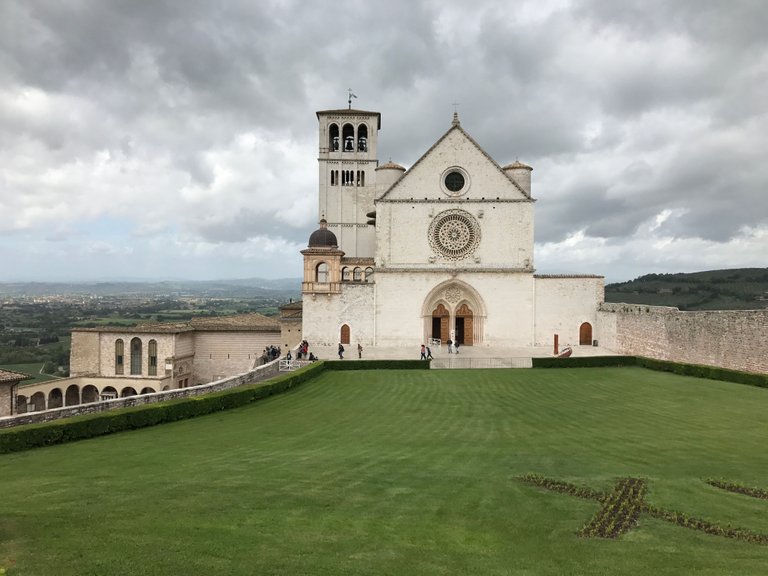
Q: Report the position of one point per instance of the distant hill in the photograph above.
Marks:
(737, 289)
(234, 288)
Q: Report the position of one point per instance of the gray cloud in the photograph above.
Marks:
(195, 123)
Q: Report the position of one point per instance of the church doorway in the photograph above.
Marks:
(464, 325)
(585, 334)
(344, 334)
(440, 323)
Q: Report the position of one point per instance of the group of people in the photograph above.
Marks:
(452, 346)
(426, 353)
(303, 351)
(270, 353)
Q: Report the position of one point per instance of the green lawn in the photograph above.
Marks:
(401, 472)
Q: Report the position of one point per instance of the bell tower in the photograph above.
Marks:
(347, 176)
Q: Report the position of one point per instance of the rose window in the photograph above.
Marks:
(454, 234)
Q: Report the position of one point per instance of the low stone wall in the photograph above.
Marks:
(258, 374)
(734, 339)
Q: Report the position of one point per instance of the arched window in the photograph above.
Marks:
(357, 275)
(321, 272)
(119, 356)
(362, 138)
(361, 177)
(152, 358)
(136, 357)
(344, 334)
(333, 177)
(348, 135)
(333, 138)
(368, 274)
(345, 274)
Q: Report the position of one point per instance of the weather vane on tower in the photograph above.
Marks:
(351, 95)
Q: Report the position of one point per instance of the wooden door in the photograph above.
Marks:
(464, 312)
(585, 334)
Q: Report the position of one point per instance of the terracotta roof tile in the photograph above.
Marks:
(8, 376)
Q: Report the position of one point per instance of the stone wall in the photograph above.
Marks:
(6, 397)
(324, 315)
(563, 304)
(735, 339)
(220, 353)
(84, 357)
(257, 375)
(290, 332)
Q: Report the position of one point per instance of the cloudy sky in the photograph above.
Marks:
(165, 139)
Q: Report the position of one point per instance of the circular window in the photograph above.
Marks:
(454, 234)
(454, 181)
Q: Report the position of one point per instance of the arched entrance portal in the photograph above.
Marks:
(344, 334)
(454, 310)
(440, 323)
(585, 334)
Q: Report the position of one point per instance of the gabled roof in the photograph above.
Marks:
(456, 126)
(9, 376)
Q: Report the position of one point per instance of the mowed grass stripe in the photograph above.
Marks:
(398, 472)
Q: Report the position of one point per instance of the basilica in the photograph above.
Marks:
(443, 250)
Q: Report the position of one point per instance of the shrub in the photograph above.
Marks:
(584, 362)
(376, 365)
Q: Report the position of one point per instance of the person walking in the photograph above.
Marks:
(423, 352)
(341, 351)
(450, 346)
(359, 351)
(429, 354)
(456, 346)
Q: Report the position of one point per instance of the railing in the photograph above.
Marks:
(291, 365)
(435, 342)
(444, 363)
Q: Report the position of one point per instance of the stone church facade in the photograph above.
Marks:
(443, 250)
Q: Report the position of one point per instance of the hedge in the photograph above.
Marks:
(696, 370)
(583, 362)
(701, 371)
(376, 365)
